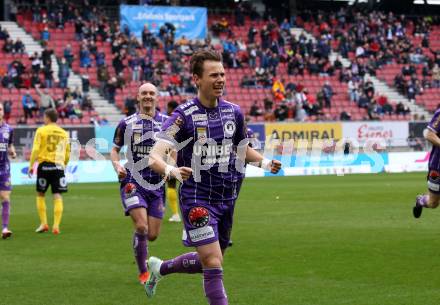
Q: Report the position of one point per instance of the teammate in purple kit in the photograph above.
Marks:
(145, 206)
(6, 149)
(432, 199)
(215, 131)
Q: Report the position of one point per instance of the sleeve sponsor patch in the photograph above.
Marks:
(199, 117)
(191, 110)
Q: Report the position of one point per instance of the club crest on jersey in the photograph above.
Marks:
(129, 189)
(202, 134)
(229, 128)
(198, 217)
(191, 110)
(6, 135)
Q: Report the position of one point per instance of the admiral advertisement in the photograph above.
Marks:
(393, 133)
(190, 22)
(303, 131)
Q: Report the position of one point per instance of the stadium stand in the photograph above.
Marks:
(256, 52)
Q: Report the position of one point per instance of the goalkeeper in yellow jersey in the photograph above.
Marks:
(51, 150)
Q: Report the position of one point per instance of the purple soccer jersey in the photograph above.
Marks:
(138, 132)
(6, 139)
(214, 134)
(207, 197)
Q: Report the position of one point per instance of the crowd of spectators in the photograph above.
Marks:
(370, 40)
(411, 83)
(127, 53)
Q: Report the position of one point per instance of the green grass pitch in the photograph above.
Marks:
(326, 240)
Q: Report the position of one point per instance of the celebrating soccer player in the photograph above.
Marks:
(142, 202)
(51, 150)
(6, 148)
(432, 199)
(215, 131)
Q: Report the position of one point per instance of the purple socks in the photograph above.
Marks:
(140, 251)
(185, 263)
(213, 285)
(5, 214)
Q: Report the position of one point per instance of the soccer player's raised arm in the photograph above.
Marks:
(160, 152)
(253, 156)
(165, 149)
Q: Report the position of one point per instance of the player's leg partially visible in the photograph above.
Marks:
(185, 263)
(208, 259)
(140, 241)
(430, 200)
(41, 209)
(42, 185)
(58, 208)
(58, 185)
(147, 229)
(147, 220)
(172, 200)
(4, 196)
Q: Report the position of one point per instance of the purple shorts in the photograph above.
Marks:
(134, 196)
(5, 183)
(206, 223)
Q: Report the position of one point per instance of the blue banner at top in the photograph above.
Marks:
(190, 22)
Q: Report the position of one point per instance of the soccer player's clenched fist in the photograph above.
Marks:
(275, 166)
